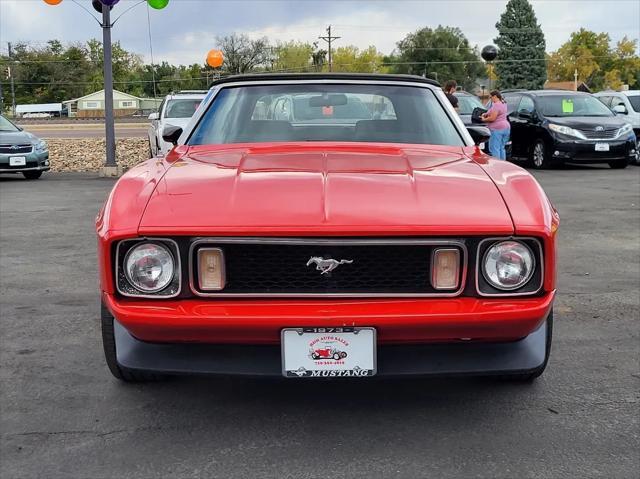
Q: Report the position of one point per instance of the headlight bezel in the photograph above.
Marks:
(533, 285)
(40, 146)
(126, 288)
(625, 129)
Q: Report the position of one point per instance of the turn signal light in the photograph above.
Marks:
(445, 269)
(211, 275)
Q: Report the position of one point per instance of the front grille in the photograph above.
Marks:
(15, 149)
(607, 134)
(377, 268)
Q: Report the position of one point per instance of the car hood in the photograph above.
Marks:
(16, 138)
(324, 188)
(588, 122)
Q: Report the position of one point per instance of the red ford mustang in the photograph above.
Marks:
(310, 212)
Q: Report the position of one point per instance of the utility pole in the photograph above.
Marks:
(13, 90)
(110, 166)
(329, 39)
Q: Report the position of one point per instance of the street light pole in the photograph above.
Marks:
(110, 134)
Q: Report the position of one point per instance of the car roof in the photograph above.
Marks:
(187, 95)
(266, 77)
(547, 92)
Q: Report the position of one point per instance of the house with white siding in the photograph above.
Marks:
(92, 105)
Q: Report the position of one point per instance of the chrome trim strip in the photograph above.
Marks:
(507, 293)
(217, 241)
(433, 271)
(178, 270)
(223, 278)
(20, 170)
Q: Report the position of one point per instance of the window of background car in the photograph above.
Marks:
(572, 105)
(181, 108)
(466, 104)
(512, 103)
(605, 99)
(526, 104)
(6, 125)
(326, 112)
(635, 102)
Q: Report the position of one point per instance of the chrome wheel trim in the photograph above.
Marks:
(538, 154)
(638, 152)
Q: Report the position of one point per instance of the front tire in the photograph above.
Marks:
(618, 164)
(32, 175)
(530, 376)
(539, 158)
(109, 345)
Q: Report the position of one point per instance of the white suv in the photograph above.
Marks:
(177, 110)
(626, 104)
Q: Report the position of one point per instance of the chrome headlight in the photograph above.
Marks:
(149, 267)
(626, 128)
(508, 265)
(565, 130)
(41, 146)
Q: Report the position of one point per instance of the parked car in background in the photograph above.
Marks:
(550, 127)
(21, 151)
(390, 242)
(627, 105)
(176, 109)
(466, 104)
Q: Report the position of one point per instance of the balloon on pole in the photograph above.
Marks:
(109, 3)
(97, 5)
(158, 4)
(53, 2)
(215, 58)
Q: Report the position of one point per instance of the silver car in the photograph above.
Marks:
(21, 151)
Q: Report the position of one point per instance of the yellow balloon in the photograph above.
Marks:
(215, 59)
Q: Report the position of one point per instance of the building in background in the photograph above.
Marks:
(92, 105)
(41, 110)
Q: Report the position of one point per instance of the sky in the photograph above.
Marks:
(185, 30)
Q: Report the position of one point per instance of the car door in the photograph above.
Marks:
(528, 124)
(512, 107)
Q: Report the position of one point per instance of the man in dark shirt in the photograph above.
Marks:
(449, 89)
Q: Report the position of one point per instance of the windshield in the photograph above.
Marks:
(6, 125)
(635, 102)
(326, 112)
(467, 103)
(181, 108)
(572, 105)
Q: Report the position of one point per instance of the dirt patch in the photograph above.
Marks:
(88, 154)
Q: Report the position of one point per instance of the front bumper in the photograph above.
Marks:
(34, 162)
(486, 358)
(397, 321)
(584, 151)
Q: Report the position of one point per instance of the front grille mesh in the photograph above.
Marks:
(282, 268)
(607, 134)
(15, 149)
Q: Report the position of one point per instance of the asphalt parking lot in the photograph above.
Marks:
(63, 415)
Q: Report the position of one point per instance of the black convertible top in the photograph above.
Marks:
(261, 77)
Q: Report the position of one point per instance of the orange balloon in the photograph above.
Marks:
(53, 2)
(215, 59)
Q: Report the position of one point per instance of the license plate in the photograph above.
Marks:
(17, 161)
(602, 146)
(328, 352)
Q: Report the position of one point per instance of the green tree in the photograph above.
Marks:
(597, 63)
(242, 54)
(521, 48)
(352, 59)
(292, 57)
(443, 53)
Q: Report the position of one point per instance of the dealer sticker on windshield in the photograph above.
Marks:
(328, 352)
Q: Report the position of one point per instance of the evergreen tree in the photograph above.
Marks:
(521, 48)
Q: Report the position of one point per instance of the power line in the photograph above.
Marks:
(329, 39)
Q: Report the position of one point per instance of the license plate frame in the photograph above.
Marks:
(327, 352)
(17, 161)
(602, 147)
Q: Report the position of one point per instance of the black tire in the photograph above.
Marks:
(336, 356)
(539, 156)
(618, 164)
(32, 175)
(109, 345)
(529, 376)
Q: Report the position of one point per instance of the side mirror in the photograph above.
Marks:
(154, 116)
(171, 134)
(479, 134)
(620, 109)
(525, 114)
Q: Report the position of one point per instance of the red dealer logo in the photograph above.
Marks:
(329, 348)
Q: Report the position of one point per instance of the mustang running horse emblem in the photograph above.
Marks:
(327, 265)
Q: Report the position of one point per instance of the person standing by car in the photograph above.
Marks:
(449, 89)
(496, 119)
